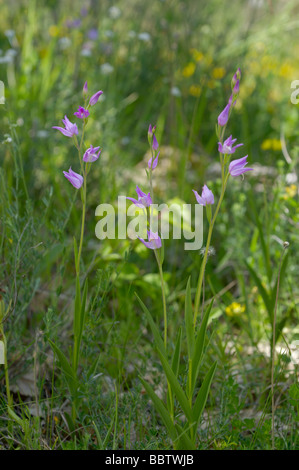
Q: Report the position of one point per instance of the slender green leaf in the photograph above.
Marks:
(182, 399)
(184, 441)
(176, 353)
(264, 245)
(263, 292)
(189, 321)
(69, 421)
(105, 443)
(15, 417)
(91, 371)
(202, 396)
(175, 363)
(199, 346)
(66, 368)
(282, 277)
(160, 407)
(99, 439)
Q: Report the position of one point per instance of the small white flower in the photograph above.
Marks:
(146, 37)
(42, 134)
(10, 33)
(86, 52)
(6, 59)
(11, 53)
(64, 43)
(114, 12)
(106, 68)
(175, 91)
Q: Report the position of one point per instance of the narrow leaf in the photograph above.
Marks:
(176, 353)
(184, 442)
(189, 321)
(182, 399)
(66, 368)
(263, 292)
(160, 407)
(202, 396)
(199, 345)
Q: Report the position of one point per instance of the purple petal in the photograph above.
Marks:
(155, 143)
(139, 192)
(155, 163)
(63, 131)
(94, 99)
(223, 116)
(199, 199)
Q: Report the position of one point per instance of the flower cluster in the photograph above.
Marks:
(145, 199)
(224, 115)
(225, 148)
(71, 130)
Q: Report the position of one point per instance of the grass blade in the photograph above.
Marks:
(189, 321)
(176, 388)
(199, 345)
(160, 407)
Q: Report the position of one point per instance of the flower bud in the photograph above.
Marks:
(85, 90)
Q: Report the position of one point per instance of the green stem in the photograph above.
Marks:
(82, 224)
(273, 349)
(204, 261)
(163, 297)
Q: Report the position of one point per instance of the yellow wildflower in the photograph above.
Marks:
(195, 90)
(197, 55)
(290, 191)
(189, 70)
(286, 70)
(234, 309)
(266, 144)
(271, 144)
(53, 31)
(218, 73)
(276, 144)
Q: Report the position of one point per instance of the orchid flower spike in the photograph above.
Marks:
(227, 147)
(207, 197)
(154, 241)
(153, 164)
(144, 200)
(237, 167)
(91, 154)
(69, 129)
(74, 178)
